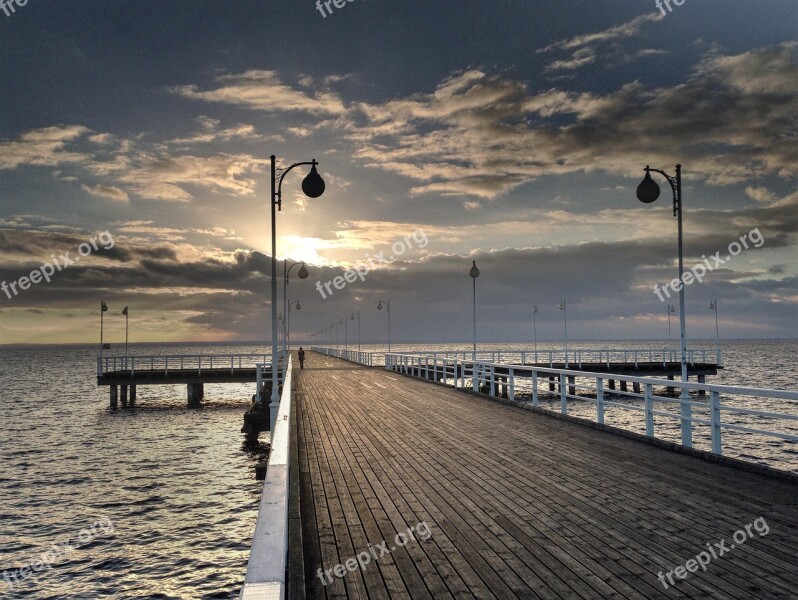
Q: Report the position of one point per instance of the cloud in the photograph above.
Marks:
(580, 58)
(106, 191)
(625, 30)
(481, 135)
(263, 91)
(43, 147)
(760, 194)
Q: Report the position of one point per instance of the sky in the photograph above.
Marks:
(135, 138)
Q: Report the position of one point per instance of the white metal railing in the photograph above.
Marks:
(573, 358)
(268, 557)
(578, 356)
(590, 387)
(180, 362)
(369, 359)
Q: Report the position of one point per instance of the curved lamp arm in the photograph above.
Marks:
(279, 199)
(674, 181)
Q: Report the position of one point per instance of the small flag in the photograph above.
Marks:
(103, 306)
(124, 311)
(562, 305)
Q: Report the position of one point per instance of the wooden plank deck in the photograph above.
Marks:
(520, 505)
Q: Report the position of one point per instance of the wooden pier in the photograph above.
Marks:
(123, 374)
(519, 504)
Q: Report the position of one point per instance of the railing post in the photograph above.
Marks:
(512, 384)
(649, 411)
(563, 394)
(600, 400)
(257, 384)
(474, 376)
(714, 420)
(535, 401)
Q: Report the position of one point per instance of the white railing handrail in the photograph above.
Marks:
(361, 357)
(576, 356)
(174, 362)
(268, 556)
(730, 389)
(495, 374)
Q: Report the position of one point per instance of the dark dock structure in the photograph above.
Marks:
(124, 374)
(519, 504)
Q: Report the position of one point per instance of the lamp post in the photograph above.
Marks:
(647, 192)
(535, 329)
(564, 309)
(388, 306)
(124, 312)
(288, 321)
(312, 187)
(303, 274)
(337, 342)
(474, 273)
(345, 323)
(357, 314)
(714, 306)
(103, 309)
(671, 309)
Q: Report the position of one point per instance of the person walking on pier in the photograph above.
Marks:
(301, 358)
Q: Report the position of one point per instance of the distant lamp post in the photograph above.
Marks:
(103, 309)
(647, 192)
(714, 306)
(474, 273)
(535, 311)
(388, 306)
(345, 323)
(337, 343)
(124, 312)
(288, 322)
(303, 274)
(671, 309)
(357, 315)
(564, 309)
(313, 187)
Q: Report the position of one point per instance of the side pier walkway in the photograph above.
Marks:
(519, 504)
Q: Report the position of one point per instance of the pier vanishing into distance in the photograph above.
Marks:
(123, 374)
(424, 475)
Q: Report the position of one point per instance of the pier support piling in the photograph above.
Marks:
(114, 396)
(195, 392)
(612, 384)
(132, 396)
(551, 384)
(624, 387)
(702, 379)
(636, 387)
(123, 390)
(571, 386)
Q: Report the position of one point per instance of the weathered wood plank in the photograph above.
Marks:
(521, 505)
